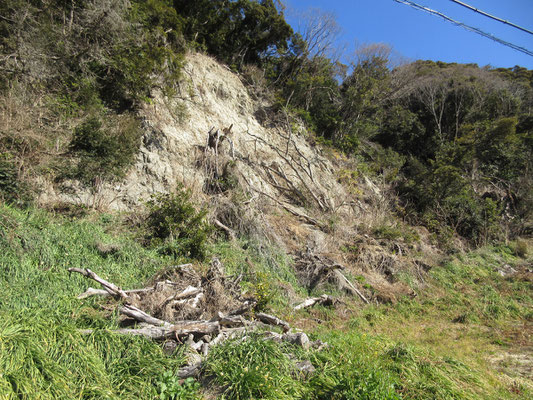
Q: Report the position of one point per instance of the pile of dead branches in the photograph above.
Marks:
(197, 311)
(313, 270)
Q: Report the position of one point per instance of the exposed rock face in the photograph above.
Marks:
(175, 136)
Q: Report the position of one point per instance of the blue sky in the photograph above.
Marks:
(418, 35)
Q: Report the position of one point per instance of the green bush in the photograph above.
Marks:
(396, 232)
(175, 226)
(104, 152)
(12, 189)
(521, 248)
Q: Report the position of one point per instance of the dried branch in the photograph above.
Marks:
(272, 320)
(108, 286)
(324, 300)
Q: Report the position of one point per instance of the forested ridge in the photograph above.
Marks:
(373, 241)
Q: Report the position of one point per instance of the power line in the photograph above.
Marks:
(467, 27)
(492, 16)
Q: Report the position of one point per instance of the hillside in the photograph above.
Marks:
(275, 228)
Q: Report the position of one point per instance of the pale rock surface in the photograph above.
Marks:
(212, 96)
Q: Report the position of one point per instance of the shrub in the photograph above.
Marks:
(104, 152)
(396, 232)
(521, 248)
(12, 189)
(176, 226)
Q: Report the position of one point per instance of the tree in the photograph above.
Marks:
(239, 32)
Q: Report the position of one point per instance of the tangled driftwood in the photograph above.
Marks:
(200, 334)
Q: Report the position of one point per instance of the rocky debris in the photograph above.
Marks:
(306, 368)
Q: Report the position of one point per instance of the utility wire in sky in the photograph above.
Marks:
(467, 27)
(492, 16)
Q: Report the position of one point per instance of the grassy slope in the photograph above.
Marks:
(412, 350)
(41, 353)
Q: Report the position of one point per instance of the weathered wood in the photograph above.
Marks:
(229, 333)
(110, 287)
(194, 302)
(232, 321)
(340, 275)
(141, 316)
(179, 330)
(324, 300)
(205, 349)
(104, 293)
(94, 292)
(157, 333)
(198, 328)
(230, 232)
(190, 291)
(272, 320)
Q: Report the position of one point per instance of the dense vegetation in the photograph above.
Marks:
(451, 143)
(454, 141)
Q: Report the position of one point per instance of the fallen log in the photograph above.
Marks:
(197, 328)
(177, 331)
(157, 333)
(104, 293)
(141, 316)
(341, 277)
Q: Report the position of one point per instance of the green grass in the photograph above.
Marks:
(254, 369)
(42, 354)
(355, 366)
(468, 313)
(416, 349)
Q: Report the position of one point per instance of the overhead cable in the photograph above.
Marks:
(467, 27)
(492, 16)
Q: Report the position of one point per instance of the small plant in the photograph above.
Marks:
(170, 388)
(262, 290)
(176, 226)
(395, 233)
